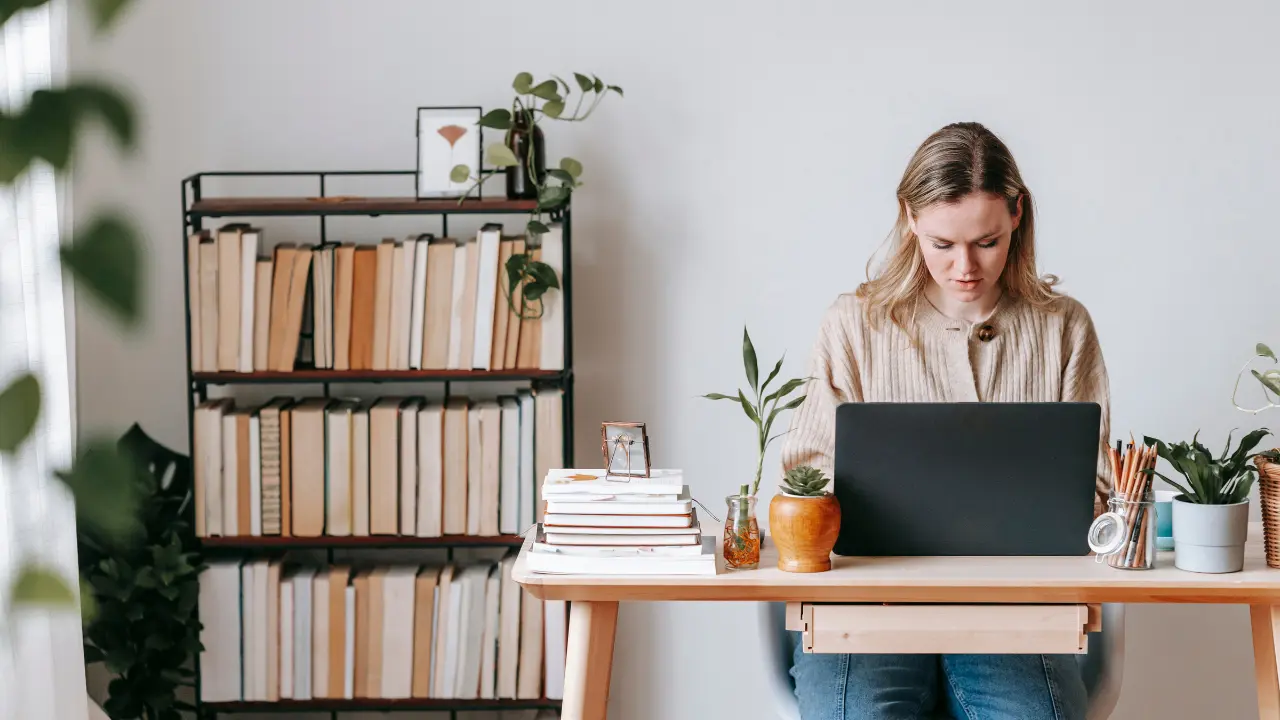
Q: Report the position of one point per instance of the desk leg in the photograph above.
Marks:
(1266, 651)
(588, 660)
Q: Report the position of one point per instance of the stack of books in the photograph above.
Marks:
(596, 524)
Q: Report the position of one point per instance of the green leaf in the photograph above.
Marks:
(571, 166)
(564, 85)
(616, 89)
(534, 291)
(750, 411)
(764, 385)
(93, 655)
(584, 83)
(1270, 380)
(499, 155)
(19, 410)
(37, 585)
(523, 83)
(1265, 351)
(787, 387)
(499, 119)
(543, 274)
(8, 8)
(562, 176)
(795, 403)
(749, 360)
(552, 195)
(106, 11)
(460, 173)
(88, 603)
(536, 228)
(103, 481)
(92, 98)
(104, 257)
(553, 109)
(720, 396)
(597, 85)
(547, 90)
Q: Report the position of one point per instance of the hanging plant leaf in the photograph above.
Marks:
(104, 258)
(103, 482)
(534, 228)
(19, 410)
(553, 109)
(499, 119)
(571, 166)
(460, 173)
(9, 8)
(584, 83)
(499, 155)
(616, 89)
(106, 11)
(523, 83)
(1265, 351)
(41, 586)
(562, 176)
(551, 196)
(546, 90)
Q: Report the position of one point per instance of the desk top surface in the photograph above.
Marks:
(931, 579)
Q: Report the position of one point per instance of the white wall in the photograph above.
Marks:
(745, 179)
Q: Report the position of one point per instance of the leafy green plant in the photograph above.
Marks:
(146, 630)
(102, 258)
(1223, 480)
(532, 103)
(804, 481)
(764, 410)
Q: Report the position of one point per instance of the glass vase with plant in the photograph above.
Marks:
(521, 157)
(762, 410)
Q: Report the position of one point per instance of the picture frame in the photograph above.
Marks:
(624, 447)
(446, 136)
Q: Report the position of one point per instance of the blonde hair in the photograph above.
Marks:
(957, 160)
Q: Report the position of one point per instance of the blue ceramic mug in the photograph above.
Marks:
(1164, 519)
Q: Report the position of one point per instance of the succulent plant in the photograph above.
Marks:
(804, 481)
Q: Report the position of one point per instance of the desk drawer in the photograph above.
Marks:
(944, 628)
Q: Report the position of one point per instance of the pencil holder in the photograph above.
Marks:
(1125, 536)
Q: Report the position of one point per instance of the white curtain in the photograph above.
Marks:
(41, 655)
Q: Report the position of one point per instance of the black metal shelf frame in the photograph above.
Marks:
(197, 384)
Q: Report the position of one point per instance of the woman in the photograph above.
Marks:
(957, 313)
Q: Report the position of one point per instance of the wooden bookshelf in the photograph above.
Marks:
(339, 205)
(276, 542)
(377, 705)
(341, 376)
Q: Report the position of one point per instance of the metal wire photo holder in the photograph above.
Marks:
(618, 447)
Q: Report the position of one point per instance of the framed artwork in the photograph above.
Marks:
(447, 136)
(625, 448)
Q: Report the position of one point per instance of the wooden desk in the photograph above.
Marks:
(593, 614)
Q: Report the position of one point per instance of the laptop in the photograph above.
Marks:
(965, 478)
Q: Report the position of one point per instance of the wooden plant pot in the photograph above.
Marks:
(1269, 497)
(804, 529)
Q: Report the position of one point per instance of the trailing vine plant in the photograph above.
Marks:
(532, 101)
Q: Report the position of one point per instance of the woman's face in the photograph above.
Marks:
(965, 244)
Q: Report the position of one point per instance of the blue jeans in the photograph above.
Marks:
(918, 687)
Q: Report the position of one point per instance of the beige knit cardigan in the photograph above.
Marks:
(1034, 355)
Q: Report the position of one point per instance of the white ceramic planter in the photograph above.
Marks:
(1209, 538)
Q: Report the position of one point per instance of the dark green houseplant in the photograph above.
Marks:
(145, 629)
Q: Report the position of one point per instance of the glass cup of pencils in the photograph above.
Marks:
(1125, 535)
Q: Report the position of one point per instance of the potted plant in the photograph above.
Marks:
(804, 521)
(1211, 511)
(762, 410)
(1268, 461)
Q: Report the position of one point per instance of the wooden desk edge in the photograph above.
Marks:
(769, 586)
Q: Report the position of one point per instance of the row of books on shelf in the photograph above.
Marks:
(601, 524)
(427, 302)
(406, 466)
(276, 630)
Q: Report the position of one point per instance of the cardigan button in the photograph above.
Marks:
(986, 332)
